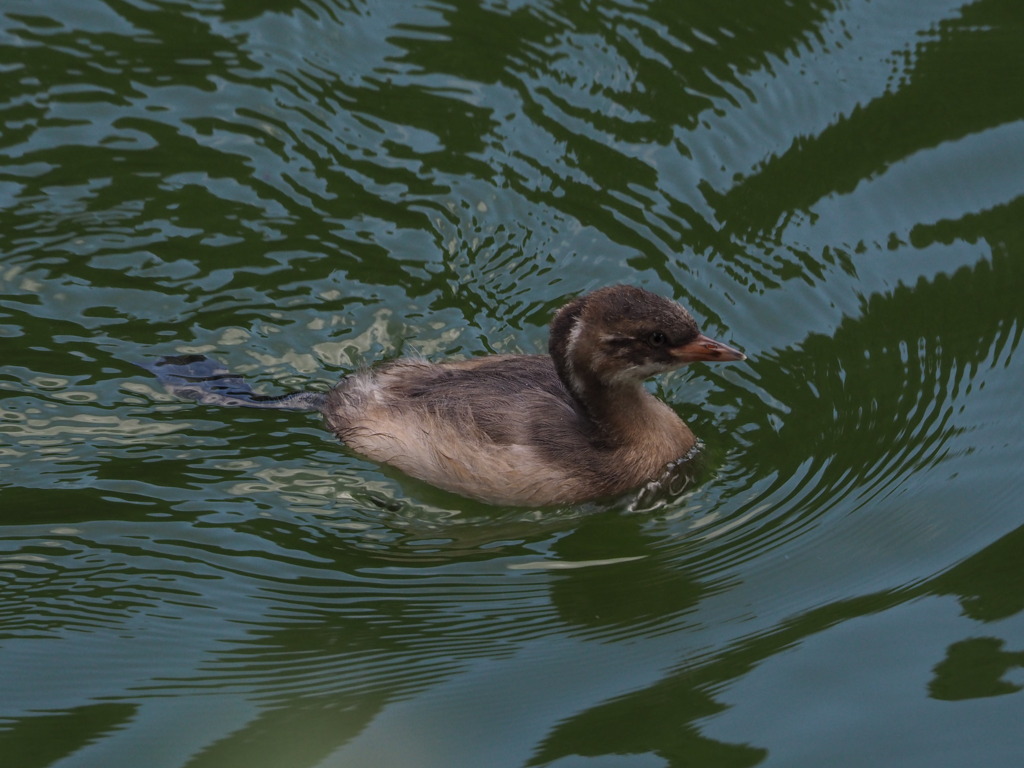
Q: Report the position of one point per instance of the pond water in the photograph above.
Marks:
(303, 188)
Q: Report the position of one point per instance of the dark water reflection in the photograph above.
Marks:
(302, 188)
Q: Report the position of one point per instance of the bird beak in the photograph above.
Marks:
(706, 350)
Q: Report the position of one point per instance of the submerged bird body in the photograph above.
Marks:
(549, 429)
(501, 429)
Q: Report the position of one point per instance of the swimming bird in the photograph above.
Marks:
(523, 430)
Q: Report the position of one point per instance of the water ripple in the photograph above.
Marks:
(849, 424)
(310, 188)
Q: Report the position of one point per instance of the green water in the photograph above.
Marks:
(301, 188)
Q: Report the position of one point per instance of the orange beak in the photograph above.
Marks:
(704, 349)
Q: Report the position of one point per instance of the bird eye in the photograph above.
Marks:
(657, 339)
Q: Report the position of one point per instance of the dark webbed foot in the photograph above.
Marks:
(200, 378)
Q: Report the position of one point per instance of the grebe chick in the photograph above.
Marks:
(536, 429)
(523, 430)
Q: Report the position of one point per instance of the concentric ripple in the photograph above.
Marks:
(303, 188)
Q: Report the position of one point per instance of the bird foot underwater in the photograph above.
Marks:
(207, 381)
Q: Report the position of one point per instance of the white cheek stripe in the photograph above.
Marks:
(570, 354)
(634, 374)
(574, 338)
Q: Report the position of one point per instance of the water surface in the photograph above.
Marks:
(302, 188)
